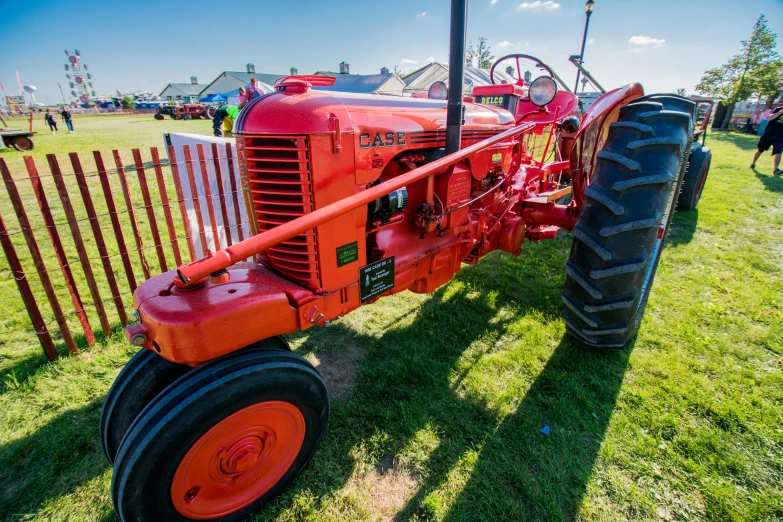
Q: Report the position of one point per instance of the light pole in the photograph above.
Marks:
(588, 11)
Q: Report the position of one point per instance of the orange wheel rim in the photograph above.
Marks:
(238, 460)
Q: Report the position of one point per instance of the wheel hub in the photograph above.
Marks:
(238, 460)
(243, 456)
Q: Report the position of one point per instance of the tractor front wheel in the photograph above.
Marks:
(158, 117)
(224, 439)
(695, 178)
(141, 380)
(143, 377)
(628, 207)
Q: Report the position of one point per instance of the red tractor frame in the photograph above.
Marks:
(355, 197)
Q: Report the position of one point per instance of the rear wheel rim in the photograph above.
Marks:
(24, 143)
(238, 460)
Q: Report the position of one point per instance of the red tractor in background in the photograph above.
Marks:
(355, 197)
(186, 111)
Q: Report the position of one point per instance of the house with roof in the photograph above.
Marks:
(187, 92)
(228, 81)
(421, 79)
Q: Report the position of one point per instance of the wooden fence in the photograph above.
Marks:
(102, 239)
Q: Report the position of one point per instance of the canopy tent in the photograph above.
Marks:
(421, 79)
(215, 98)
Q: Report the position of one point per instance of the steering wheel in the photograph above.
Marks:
(521, 81)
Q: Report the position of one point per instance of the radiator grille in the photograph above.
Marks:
(280, 186)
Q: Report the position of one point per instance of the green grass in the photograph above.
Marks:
(443, 397)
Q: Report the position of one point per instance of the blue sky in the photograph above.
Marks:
(664, 44)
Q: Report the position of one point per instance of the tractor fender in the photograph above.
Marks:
(226, 313)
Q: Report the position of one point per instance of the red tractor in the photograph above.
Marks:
(186, 111)
(356, 197)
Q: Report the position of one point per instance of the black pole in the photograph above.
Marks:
(459, 10)
(582, 54)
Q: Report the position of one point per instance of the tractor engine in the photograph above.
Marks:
(301, 149)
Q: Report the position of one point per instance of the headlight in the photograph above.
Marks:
(542, 91)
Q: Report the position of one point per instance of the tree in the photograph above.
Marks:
(398, 71)
(747, 73)
(127, 102)
(481, 54)
(681, 92)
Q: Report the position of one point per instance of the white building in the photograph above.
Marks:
(421, 79)
(187, 92)
(228, 81)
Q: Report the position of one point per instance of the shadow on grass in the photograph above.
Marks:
(682, 228)
(743, 141)
(770, 181)
(411, 380)
(51, 461)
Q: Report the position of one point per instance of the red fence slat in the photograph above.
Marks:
(145, 195)
(35, 252)
(221, 193)
(131, 212)
(181, 200)
(65, 199)
(115, 220)
(164, 199)
(194, 195)
(208, 196)
(98, 235)
(234, 193)
(59, 250)
(27, 294)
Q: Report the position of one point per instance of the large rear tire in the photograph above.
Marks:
(628, 207)
(695, 178)
(223, 440)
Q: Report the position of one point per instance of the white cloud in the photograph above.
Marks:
(591, 40)
(493, 2)
(538, 5)
(430, 59)
(408, 61)
(421, 15)
(504, 44)
(646, 41)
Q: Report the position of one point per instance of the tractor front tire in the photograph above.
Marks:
(159, 117)
(628, 207)
(224, 439)
(695, 178)
(143, 377)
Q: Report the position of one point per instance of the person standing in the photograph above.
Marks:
(772, 137)
(49, 119)
(224, 119)
(68, 119)
(252, 92)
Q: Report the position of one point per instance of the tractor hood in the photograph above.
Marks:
(376, 120)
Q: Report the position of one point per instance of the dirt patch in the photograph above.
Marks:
(384, 489)
(338, 369)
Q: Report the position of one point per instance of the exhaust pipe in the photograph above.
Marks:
(459, 14)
